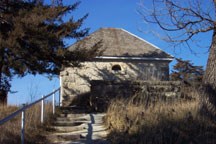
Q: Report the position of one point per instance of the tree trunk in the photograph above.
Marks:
(3, 93)
(208, 92)
(3, 97)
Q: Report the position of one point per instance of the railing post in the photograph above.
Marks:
(23, 126)
(53, 102)
(60, 91)
(22, 111)
(60, 97)
(42, 110)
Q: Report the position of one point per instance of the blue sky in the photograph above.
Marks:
(105, 13)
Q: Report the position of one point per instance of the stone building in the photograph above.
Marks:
(125, 57)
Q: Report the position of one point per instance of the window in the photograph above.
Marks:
(116, 68)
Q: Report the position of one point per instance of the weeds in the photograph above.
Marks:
(163, 122)
(10, 131)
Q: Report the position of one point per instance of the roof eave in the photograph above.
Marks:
(133, 58)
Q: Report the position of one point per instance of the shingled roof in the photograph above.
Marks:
(121, 43)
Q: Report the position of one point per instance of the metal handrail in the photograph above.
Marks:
(22, 110)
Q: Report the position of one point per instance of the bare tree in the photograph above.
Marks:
(183, 21)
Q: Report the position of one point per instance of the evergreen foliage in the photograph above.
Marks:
(32, 39)
(186, 71)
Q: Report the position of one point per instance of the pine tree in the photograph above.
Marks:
(32, 36)
(187, 72)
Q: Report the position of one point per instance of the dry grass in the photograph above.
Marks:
(176, 122)
(10, 131)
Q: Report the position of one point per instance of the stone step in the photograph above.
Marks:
(75, 123)
(83, 132)
(71, 117)
(78, 128)
(82, 127)
(65, 119)
(69, 128)
(62, 137)
(100, 131)
(81, 115)
(83, 141)
(69, 123)
(98, 134)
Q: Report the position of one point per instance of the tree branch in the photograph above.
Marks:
(188, 19)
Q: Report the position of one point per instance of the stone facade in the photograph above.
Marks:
(125, 57)
(76, 81)
(147, 92)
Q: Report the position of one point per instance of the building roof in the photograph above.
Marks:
(121, 43)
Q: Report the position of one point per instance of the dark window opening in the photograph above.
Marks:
(116, 68)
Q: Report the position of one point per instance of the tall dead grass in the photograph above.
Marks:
(10, 131)
(163, 122)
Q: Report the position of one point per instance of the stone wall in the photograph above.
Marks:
(102, 92)
(76, 81)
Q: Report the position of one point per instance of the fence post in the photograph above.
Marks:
(53, 102)
(23, 126)
(42, 110)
